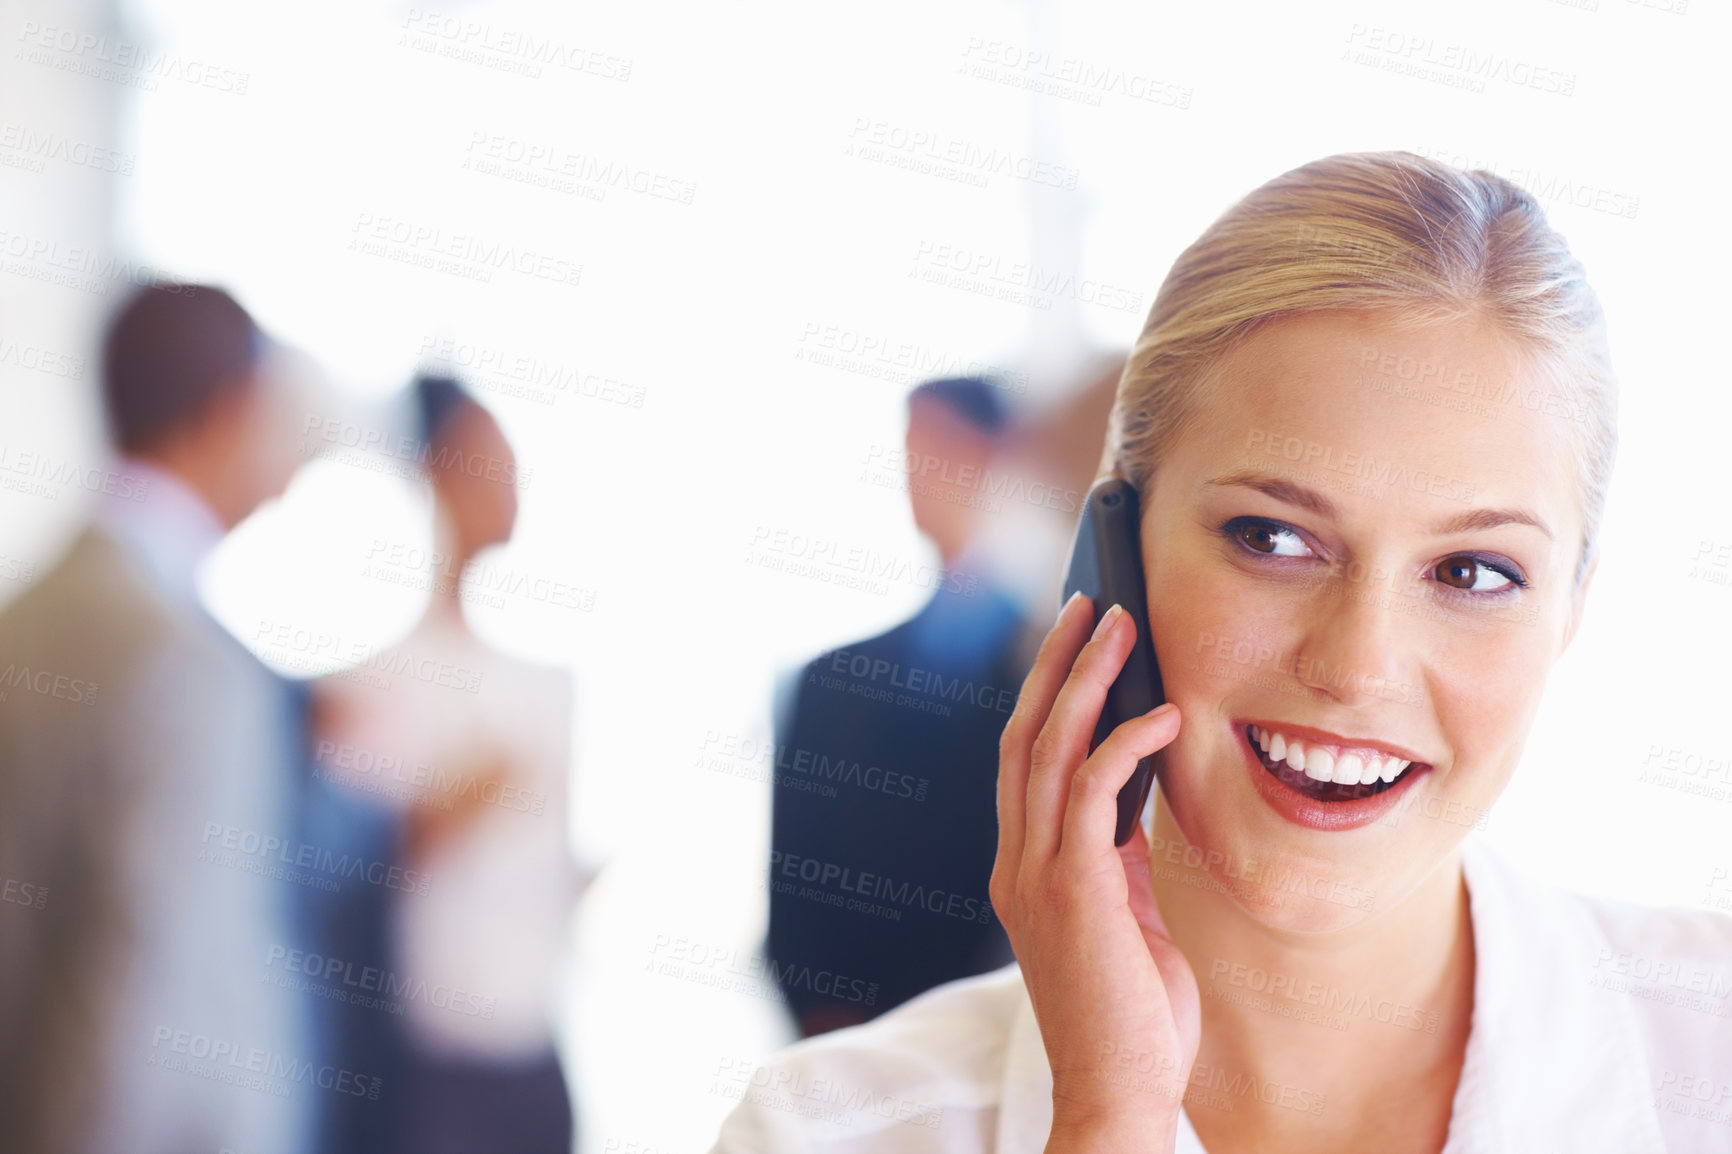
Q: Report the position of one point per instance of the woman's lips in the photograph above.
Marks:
(1307, 801)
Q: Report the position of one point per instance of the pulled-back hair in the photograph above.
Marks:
(1385, 232)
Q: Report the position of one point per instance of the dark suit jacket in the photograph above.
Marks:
(884, 821)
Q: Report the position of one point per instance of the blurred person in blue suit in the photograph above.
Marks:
(472, 752)
(149, 777)
(886, 756)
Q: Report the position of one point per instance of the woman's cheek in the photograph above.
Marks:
(1208, 653)
(1484, 693)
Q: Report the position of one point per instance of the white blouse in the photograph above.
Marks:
(1598, 1026)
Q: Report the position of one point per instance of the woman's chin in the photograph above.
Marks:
(1300, 911)
(1281, 887)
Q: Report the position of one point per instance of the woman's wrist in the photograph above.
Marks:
(1114, 1136)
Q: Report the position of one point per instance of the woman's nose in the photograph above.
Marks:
(1355, 648)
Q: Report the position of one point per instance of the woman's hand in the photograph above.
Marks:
(427, 828)
(1116, 1000)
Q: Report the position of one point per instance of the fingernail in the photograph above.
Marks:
(1108, 620)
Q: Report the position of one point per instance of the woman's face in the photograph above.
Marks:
(1334, 559)
(476, 479)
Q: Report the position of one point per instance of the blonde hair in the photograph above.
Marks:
(1387, 232)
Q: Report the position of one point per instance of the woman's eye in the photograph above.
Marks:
(1470, 574)
(1271, 539)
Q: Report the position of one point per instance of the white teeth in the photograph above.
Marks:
(1320, 764)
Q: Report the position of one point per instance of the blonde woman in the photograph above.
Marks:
(1371, 421)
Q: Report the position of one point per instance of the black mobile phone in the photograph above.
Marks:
(1106, 564)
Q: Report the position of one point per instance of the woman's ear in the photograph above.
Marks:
(1578, 604)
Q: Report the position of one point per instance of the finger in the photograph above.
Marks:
(1092, 812)
(1136, 854)
(1140, 881)
(1063, 741)
(1039, 688)
(1178, 980)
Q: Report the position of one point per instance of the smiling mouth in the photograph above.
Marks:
(1364, 774)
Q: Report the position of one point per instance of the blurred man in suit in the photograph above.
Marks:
(886, 757)
(147, 779)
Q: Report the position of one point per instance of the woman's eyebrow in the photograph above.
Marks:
(1292, 493)
(1281, 489)
(1489, 519)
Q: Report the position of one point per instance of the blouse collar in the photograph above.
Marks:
(1552, 1062)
